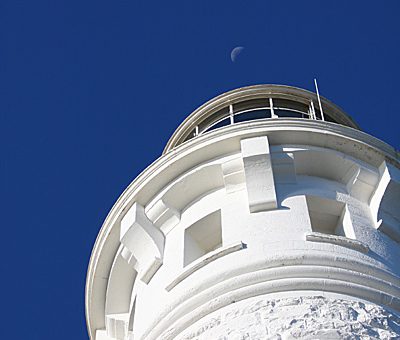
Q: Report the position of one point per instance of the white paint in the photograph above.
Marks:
(143, 240)
(233, 172)
(161, 214)
(385, 203)
(258, 172)
(309, 317)
(201, 262)
(282, 227)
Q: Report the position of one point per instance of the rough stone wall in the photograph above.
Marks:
(314, 317)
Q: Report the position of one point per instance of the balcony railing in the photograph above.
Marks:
(257, 102)
(254, 110)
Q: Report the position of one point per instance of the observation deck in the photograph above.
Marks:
(255, 103)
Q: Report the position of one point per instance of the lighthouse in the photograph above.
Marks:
(269, 215)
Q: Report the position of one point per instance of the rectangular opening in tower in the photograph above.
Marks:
(328, 216)
(202, 237)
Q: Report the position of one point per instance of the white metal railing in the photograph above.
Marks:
(271, 112)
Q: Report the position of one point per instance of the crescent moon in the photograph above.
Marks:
(235, 52)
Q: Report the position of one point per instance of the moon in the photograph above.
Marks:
(235, 52)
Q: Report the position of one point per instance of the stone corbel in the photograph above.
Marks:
(385, 202)
(258, 173)
(163, 215)
(233, 174)
(143, 242)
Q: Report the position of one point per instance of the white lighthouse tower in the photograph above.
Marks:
(269, 215)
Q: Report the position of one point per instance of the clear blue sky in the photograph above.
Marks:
(90, 92)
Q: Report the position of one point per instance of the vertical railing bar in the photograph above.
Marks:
(313, 110)
(231, 114)
(319, 100)
(271, 104)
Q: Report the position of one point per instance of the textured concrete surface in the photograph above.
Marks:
(296, 318)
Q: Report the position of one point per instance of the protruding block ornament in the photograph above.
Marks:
(144, 241)
(385, 202)
(258, 172)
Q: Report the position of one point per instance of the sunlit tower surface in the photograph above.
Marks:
(268, 215)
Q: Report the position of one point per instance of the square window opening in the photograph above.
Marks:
(202, 237)
(329, 217)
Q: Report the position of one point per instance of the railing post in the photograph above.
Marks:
(231, 114)
(271, 104)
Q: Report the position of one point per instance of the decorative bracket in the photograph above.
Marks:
(144, 242)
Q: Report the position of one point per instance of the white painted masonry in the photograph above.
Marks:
(275, 227)
(258, 173)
